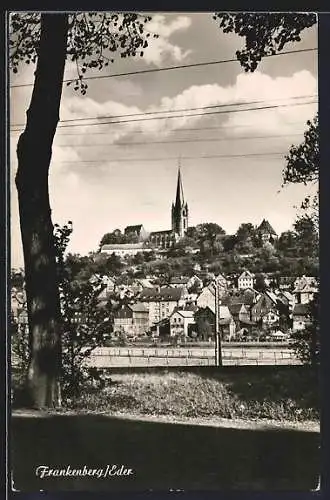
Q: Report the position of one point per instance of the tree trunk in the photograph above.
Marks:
(34, 153)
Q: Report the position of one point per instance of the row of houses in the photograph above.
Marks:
(239, 310)
(141, 306)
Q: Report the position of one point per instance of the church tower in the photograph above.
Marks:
(179, 210)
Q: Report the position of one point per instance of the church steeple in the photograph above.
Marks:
(179, 200)
(179, 209)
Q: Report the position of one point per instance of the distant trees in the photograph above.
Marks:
(117, 237)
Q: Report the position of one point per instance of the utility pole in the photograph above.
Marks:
(218, 354)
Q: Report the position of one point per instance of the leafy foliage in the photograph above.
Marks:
(302, 167)
(265, 34)
(86, 322)
(93, 38)
(306, 343)
(303, 161)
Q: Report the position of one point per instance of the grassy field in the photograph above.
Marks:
(282, 394)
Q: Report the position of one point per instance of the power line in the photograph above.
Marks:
(174, 158)
(171, 68)
(179, 110)
(192, 140)
(170, 131)
(185, 115)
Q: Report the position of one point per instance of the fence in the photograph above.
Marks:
(134, 357)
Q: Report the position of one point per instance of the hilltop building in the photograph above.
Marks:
(266, 233)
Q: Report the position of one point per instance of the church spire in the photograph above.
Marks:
(179, 200)
(179, 209)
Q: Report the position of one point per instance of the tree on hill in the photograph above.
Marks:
(287, 243)
(246, 238)
(89, 40)
(209, 237)
(306, 237)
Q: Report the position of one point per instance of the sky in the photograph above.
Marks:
(231, 163)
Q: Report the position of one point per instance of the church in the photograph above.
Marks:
(162, 240)
(179, 216)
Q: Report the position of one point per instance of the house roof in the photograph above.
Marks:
(138, 307)
(287, 295)
(179, 280)
(265, 227)
(164, 294)
(246, 274)
(145, 282)
(185, 313)
(235, 309)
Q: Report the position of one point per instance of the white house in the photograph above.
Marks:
(162, 302)
(245, 280)
(180, 321)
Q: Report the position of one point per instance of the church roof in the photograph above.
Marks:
(133, 229)
(266, 227)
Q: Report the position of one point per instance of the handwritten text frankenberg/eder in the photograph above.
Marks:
(114, 470)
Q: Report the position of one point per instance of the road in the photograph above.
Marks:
(107, 357)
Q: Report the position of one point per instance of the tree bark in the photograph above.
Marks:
(34, 153)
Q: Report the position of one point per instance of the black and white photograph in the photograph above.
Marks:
(164, 329)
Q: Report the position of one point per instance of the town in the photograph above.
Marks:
(179, 308)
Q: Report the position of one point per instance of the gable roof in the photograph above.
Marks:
(265, 227)
(246, 274)
(185, 313)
